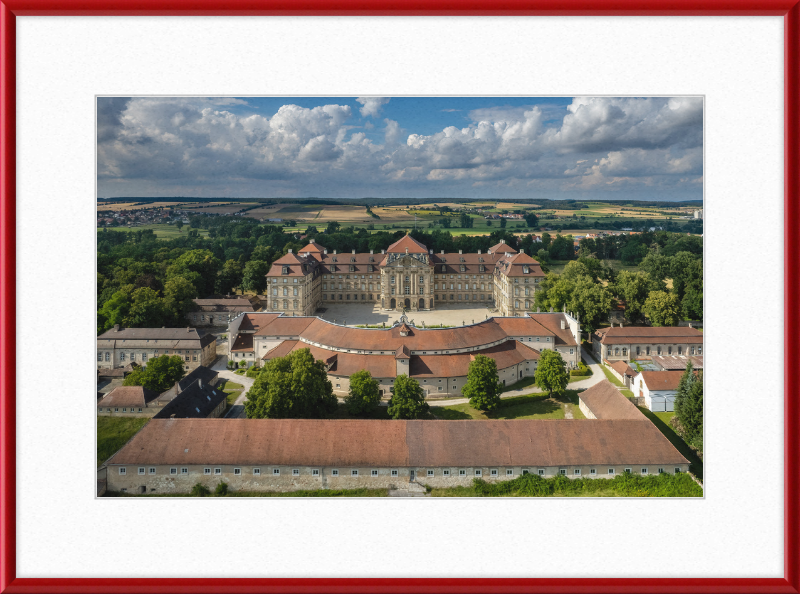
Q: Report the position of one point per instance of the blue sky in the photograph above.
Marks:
(439, 147)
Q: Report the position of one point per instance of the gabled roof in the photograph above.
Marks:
(128, 396)
(312, 247)
(402, 353)
(662, 380)
(651, 334)
(606, 402)
(193, 402)
(501, 248)
(407, 242)
(377, 443)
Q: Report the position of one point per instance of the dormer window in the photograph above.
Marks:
(461, 260)
(463, 268)
(352, 268)
(352, 259)
(371, 259)
(525, 270)
(285, 270)
(370, 268)
(334, 259)
(444, 268)
(482, 269)
(480, 259)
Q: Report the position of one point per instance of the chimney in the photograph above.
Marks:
(354, 251)
(479, 252)
(459, 251)
(200, 383)
(383, 251)
(521, 251)
(172, 416)
(442, 252)
(620, 324)
(325, 251)
(290, 250)
(177, 388)
(310, 241)
(563, 324)
(116, 327)
(371, 252)
(430, 252)
(334, 252)
(690, 324)
(612, 323)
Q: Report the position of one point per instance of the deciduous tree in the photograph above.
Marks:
(292, 387)
(551, 372)
(364, 393)
(159, 375)
(483, 385)
(662, 308)
(408, 399)
(255, 276)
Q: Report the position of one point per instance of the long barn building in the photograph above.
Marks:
(172, 455)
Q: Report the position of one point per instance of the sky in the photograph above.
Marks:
(582, 148)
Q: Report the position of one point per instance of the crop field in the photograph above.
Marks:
(117, 206)
(161, 231)
(227, 207)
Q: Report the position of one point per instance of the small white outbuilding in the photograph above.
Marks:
(658, 388)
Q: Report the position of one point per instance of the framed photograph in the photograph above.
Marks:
(308, 147)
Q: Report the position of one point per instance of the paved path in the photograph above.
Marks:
(596, 377)
(237, 410)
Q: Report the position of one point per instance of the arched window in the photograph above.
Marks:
(624, 352)
(616, 351)
(659, 350)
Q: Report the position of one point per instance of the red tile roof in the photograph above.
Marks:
(662, 380)
(312, 247)
(369, 443)
(286, 326)
(606, 402)
(501, 248)
(254, 322)
(622, 368)
(652, 335)
(243, 344)
(128, 396)
(505, 355)
(409, 243)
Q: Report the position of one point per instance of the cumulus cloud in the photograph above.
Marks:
(372, 105)
(186, 146)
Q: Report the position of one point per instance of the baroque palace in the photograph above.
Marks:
(407, 275)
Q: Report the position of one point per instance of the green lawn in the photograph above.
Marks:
(113, 433)
(661, 420)
(611, 377)
(531, 406)
(232, 389)
(523, 383)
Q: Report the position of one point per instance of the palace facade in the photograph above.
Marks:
(406, 275)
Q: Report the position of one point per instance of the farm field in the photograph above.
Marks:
(221, 208)
(117, 206)
(161, 231)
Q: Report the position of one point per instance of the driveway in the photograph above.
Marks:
(237, 410)
(596, 377)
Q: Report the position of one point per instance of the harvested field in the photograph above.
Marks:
(228, 207)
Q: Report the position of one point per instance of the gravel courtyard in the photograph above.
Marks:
(449, 315)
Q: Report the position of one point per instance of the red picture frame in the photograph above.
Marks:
(789, 9)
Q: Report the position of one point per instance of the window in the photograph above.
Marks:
(276, 472)
(99, 356)
(525, 471)
(140, 410)
(173, 471)
(184, 470)
(141, 470)
(334, 472)
(295, 472)
(509, 472)
(237, 471)
(122, 471)
(462, 473)
(206, 471)
(610, 471)
(354, 472)
(394, 473)
(593, 471)
(541, 472)
(315, 472)
(644, 471)
(677, 470)
(627, 471)
(478, 472)
(373, 472)
(126, 410)
(430, 473)
(122, 356)
(562, 471)
(446, 472)
(660, 471)
(217, 471)
(108, 356)
(493, 472)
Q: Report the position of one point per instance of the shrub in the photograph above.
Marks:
(242, 364)
(253, 371)
(199, 490)
(581, 371)
(221, 490)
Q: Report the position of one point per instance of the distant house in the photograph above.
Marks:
(119, 347)
(675, 363)
(129, 401)
(219, 311)
(642, 342)
(199, 400)
(622, 371)
(658, 388)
